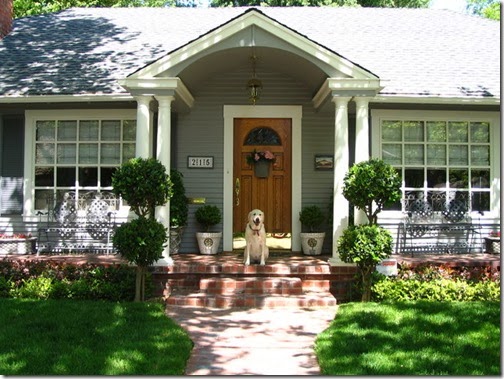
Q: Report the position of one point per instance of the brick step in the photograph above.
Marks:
(186, 298)
(220, 285)
(251, 285)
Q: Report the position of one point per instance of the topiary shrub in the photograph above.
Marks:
(144, 184)
(370, 185)
(366, 246)
(207, 216)
(178, 203)
(141, 241)
(311, 217)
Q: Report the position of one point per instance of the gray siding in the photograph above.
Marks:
(11, 170)
(201, 132)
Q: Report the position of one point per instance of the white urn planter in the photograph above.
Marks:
(208, 242)
(312, 243)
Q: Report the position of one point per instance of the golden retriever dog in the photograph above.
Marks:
(256, 250)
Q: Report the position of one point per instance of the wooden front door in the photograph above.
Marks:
(271, 194)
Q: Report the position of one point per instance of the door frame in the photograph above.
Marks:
(294, 112)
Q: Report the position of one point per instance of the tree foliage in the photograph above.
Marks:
(23, 8)
(366, 246)
(485, 8)
(371, 185)
(318, 3)
(144, 184)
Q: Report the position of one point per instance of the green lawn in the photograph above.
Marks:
(70, 337)
(412, 338)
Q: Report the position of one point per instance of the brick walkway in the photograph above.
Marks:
(252, 341)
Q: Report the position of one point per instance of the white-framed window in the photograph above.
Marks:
(451, 153)
(75, 151)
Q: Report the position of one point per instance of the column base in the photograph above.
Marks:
(165, 261)
(336, 261)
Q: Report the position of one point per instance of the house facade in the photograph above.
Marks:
(83, 90)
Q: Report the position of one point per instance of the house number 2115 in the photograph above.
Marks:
(200, 162)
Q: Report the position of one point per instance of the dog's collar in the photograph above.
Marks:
(256, 231)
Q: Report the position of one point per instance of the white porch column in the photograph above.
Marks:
(143, 129)
(361, 144)
(163, 150)
(341, 161)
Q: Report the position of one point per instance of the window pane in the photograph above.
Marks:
(457, 131)
(436, 154)
(414, 154)
(436, 178)
(67, 130)
(88, 130)
(480, 178)
(41, 198)
(106, 176)
(129, 130)
(459, 178)
(88, 176)
(414, 131)
(44, 176)
(111, 130)
(391, 131)
(480, 132)
(65, 176)
(45, 130)
(458, 155)
(110, 153)
(263, 136)
(88, 153)
(67, 153)
(128, 151)
(480, 201)
(480, 155)
(436, 131)
(44, 153)
(392, 153)
(414, 178)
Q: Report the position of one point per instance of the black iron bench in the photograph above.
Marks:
(83, 223)
(438, 224)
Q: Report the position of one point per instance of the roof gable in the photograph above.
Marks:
(246, 30)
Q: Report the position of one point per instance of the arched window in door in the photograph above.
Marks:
(263, 136)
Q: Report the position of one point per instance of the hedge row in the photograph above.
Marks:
(438, 283)
(44, 280)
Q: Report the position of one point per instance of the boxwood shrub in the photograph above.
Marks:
(46, 279)
(438, 283)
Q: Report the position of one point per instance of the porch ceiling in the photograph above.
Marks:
(269, 59)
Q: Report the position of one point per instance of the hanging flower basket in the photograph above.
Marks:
(261, 160)
(261, 169)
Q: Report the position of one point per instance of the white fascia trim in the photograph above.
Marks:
(93, 98)
(235, 26)
(368, 85)
(158, 87)
(417, 99)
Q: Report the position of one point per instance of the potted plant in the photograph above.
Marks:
(178, 211)
(17, 244)
(492, 242)
(208, 216)
(261, 160)
(312, 217)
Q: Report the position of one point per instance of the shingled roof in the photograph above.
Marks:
(422, 52)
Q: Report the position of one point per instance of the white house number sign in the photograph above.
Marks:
(199, 162)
